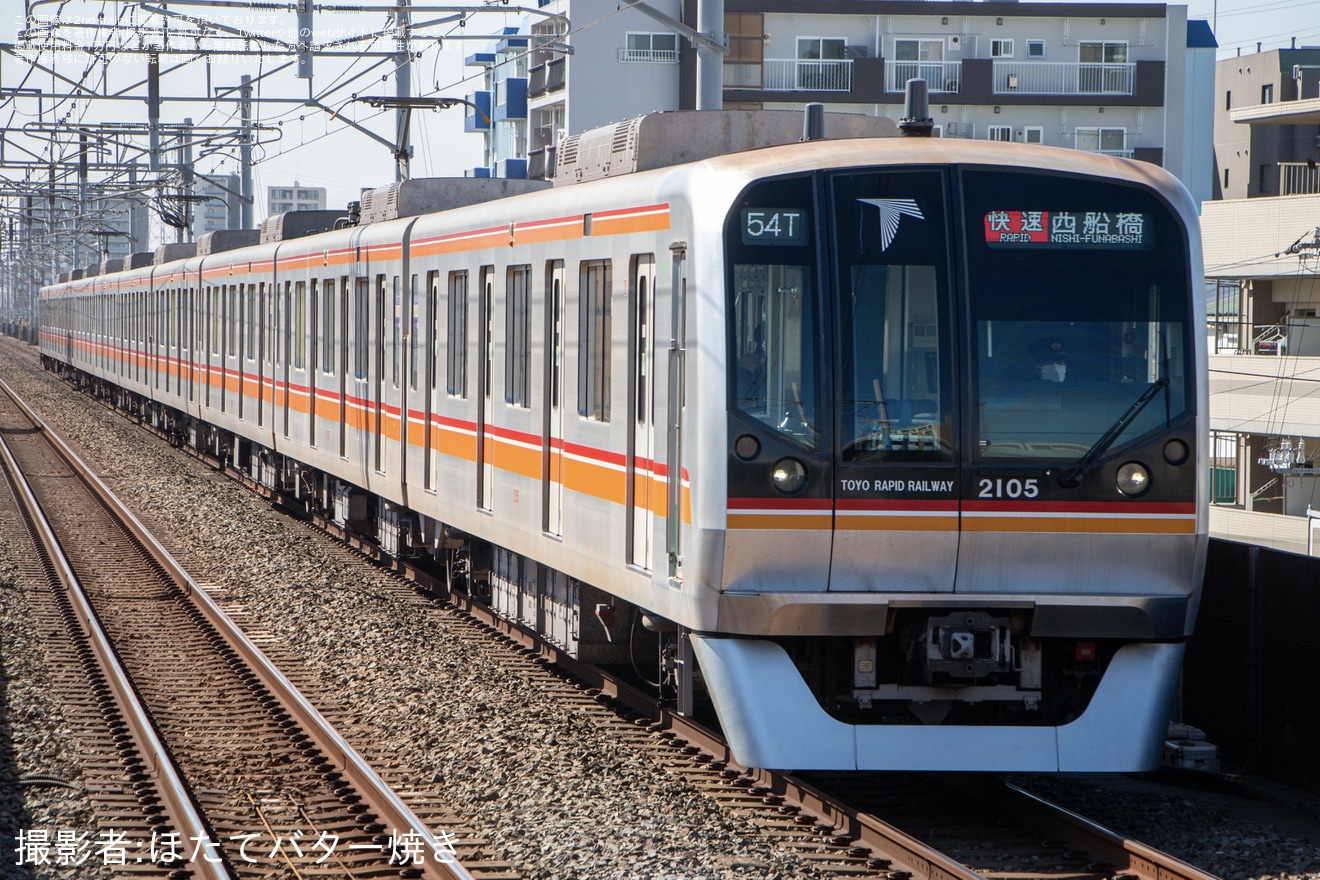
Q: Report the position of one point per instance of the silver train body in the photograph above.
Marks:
(902, 437)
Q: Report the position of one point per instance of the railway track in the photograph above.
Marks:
(205, 760)
(886, 825)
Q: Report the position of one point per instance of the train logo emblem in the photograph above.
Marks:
(891, 211)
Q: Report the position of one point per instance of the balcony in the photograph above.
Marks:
(555, 75)
(648, 56)
(940, 76)
(1063, 78)
(512, 99)
(474, 120)
(799, 75)
(1299, 179)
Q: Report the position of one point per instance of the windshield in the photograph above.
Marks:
(1079, 315)
(774, 336)
(893, 305)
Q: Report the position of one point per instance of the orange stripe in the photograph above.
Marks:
(1078, 525)
(754, 521)
(897, 523)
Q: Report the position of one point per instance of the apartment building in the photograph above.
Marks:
(1262, 255)
(1125, 79)
(218, 204)
(294, 198)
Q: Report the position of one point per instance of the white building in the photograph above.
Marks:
(1126, 79)
(1262, 257)
(294, 198)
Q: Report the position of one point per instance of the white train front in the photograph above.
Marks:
(901, 438)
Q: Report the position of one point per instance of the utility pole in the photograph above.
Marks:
(186, 186)
(403, 90)
(245, 150)
(710, 61)
(153, 109)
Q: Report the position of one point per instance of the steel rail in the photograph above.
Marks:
(183, 813)
(382, 799)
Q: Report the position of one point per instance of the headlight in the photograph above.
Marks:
(789, 475)
(1133, 479)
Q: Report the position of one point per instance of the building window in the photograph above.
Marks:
(1103, 67)
(1225, 178)
(1035, 48)
(1033, 134)
(1001, 48)
(1228, 100)
(594, 341)
(1110, 141)
(1267, 93)
(650, 48)
(742, 66)
(999, 133)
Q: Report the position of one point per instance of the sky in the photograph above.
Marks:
(317, 149)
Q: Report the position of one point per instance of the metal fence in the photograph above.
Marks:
(1063, 78)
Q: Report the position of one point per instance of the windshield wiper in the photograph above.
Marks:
(1073, 477)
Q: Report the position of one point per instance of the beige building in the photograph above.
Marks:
(294, 198)
(1262, 256)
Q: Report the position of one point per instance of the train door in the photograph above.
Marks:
(429, 382)
(288, 318)
(382, 327)
(317, 344)
(641, 453)
(552, 439)
(341, 343)
(896, 474)
(485, 361)
(263, 345)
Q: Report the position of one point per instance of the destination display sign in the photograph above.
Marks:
(766, 226)
(1113, 230)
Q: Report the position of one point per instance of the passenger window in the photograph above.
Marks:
(594, 341)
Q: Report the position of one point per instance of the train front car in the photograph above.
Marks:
(965, 518)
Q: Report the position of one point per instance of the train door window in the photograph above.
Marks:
(456, 376)
(894, 317)
(774, 337)
(432, 328)
(250, 326)
(361, 327)
(299, 322)
(217, 318)
(395, 329)
(517, 329)
(414, 321)
(594, 340)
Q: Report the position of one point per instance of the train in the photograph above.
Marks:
(887, 450)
